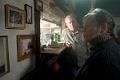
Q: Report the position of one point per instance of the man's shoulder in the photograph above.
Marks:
(65, 30)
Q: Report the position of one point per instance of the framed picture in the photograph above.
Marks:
(28, 14)
(14, 17)
(4, 56)
(25, 46)
(39, 5)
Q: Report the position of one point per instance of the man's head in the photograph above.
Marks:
(97, 22)
(71, 23)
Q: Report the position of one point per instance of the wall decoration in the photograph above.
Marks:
(28, 14)
(4, 56)
(39, 5)
(15, 17)
(25, 46)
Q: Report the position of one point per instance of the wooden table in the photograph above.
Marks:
(50, 55)
(56, 51)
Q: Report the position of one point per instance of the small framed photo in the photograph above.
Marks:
(39, 5)
(25, 46)
(14, 17)
(28, 10)
(4, 55)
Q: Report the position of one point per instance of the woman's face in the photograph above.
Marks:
(90, 28)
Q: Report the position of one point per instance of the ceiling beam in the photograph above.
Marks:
(93, 4)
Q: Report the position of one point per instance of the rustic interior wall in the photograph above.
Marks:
(52, 12)
(17, 69)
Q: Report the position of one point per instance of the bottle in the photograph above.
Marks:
(54, 37)
(57, 37)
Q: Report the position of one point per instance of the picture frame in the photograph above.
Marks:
(25, 46)
(14, 17)
(39, 5)
(28, 10)
(4, 56)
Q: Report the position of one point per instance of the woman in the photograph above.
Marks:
(104, 60)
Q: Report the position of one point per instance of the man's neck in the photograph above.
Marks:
(75, 31)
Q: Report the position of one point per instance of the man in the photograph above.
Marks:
(104, 60)
(77, 50)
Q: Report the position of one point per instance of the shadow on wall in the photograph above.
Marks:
(118, 31)
(2, 69)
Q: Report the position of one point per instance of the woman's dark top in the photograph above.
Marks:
(103, 62)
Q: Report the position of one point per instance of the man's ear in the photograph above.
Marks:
(104, 28)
